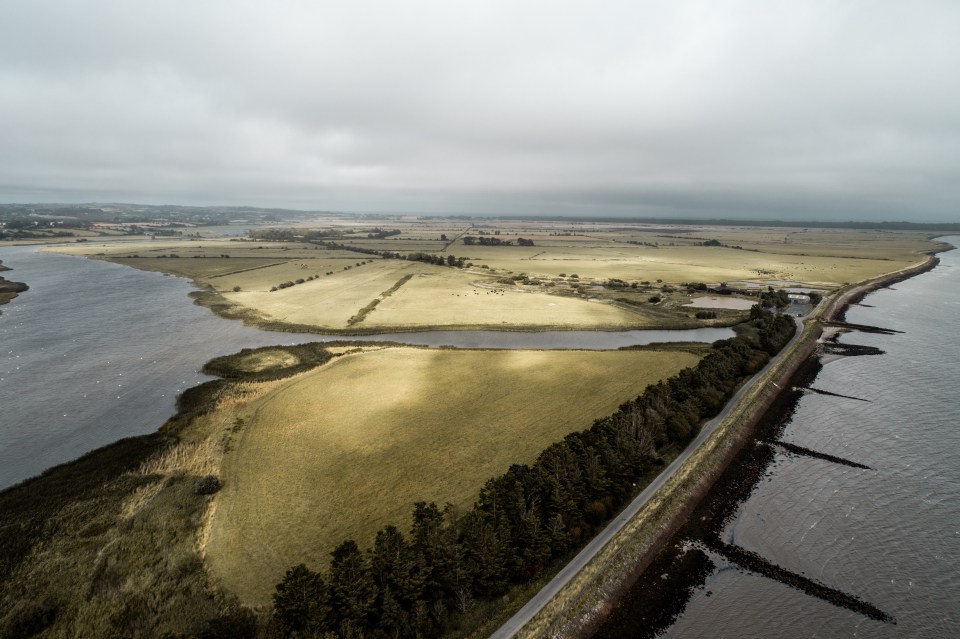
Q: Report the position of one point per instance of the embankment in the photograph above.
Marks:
(653, 544)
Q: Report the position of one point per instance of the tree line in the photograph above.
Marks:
(416, 585)
(470, 240)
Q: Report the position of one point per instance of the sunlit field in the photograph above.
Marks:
(345, 449)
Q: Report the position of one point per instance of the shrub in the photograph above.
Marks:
(207, 485)
(235, 623)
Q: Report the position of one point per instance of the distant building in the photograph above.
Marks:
(797, 298)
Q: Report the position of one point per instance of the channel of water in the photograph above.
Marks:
(96, 351)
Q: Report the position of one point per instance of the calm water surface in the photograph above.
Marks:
(95, 352)
(890, 536)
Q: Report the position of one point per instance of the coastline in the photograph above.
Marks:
(9, 289)
(130, 512)
(638, 552)
(208, 297)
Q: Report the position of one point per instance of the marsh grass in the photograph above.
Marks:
(110, 545)
(268, 363)
(96, 548)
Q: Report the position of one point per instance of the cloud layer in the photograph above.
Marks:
(749, 109)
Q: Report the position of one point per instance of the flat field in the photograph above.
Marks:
(451, 297)
(811, 264)
(571, 265)
(343, 450)
(342, 283)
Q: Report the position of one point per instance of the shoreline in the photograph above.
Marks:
(721, 490)
(208, 297)
(638, 550)
(9, 289)
(132, 508)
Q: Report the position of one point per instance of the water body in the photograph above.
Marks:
(95, 352)
(566, 340)
(891, 535)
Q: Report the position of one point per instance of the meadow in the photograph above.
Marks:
(347, 448)
(562, 281)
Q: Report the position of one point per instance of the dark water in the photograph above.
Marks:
(95, 352)
(890, 536)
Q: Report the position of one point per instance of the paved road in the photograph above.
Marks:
(548, 592)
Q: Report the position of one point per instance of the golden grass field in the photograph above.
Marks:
(435, 297)
(451, 297)
(348, 282)
(343, 450)
(329, 301)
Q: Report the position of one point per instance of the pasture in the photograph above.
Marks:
(341, 451)
(451, 297)
(571, 263)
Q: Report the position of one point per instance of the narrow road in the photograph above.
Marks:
(548, 592)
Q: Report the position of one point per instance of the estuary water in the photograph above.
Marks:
(95, 352)
(890, 535)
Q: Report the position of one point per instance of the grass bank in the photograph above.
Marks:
(108, 545)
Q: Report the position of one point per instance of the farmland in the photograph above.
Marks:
(576, 275)
(323, 457)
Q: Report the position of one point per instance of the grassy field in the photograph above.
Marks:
(451, 297)
(326, 457)
(328, 301)
(340, 284)
(570, 266)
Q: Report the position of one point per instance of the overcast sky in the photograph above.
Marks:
(818, 110)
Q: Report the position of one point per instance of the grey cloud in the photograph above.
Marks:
(815, 109)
